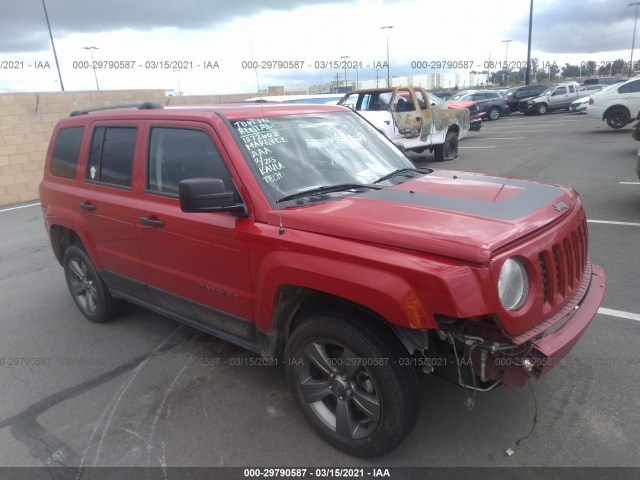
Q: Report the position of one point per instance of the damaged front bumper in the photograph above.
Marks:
(485, 358)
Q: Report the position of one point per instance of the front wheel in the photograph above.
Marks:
(494, 113)
(88, 291)
(541, 109)
(448, 150)
(345, 375)
(618, 118)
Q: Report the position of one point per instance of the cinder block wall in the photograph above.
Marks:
(26, 124)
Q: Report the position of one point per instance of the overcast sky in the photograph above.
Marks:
(203, 32)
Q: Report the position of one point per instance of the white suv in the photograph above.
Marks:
(617, 104)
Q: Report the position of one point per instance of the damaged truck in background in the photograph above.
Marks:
(406, 117)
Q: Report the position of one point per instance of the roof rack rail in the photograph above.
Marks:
(139, 106)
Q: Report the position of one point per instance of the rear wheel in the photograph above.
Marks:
(449, 149)
(345, 375)
(88, 291)
(618, 118)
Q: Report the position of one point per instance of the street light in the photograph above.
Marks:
(506, 59)
(387, 27)
(634, 35)
(95, 75)
(344, 59)
(53, 46)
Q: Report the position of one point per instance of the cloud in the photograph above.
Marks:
(24, 28)
(577, 26)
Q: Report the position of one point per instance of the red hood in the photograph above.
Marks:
(454, 214)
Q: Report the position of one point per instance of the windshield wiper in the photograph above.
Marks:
(328, 189)
(403, 171)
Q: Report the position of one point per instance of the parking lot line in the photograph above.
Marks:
(619, 314)
(630, 224)
(501, 138)
(18, 207)
(485, 146)
(629, 183)
(522, 131)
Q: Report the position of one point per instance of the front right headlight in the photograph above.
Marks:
(513, 284)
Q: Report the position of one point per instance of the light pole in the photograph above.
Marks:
(634, 35)
(344, 59)
(387, 28)
(95, 75)
(177, 71)
(53, 46)
(527, 75)
(506, 59)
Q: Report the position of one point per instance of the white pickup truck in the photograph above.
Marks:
(553, 98)
(405, 116)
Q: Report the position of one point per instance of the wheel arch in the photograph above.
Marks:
(613, 107)
(294, 303)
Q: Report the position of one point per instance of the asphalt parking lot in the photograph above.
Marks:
(147, 391)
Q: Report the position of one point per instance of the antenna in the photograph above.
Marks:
(275, 189)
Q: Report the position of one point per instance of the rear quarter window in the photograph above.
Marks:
(64, 161)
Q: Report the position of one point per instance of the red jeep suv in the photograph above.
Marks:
(300, 232)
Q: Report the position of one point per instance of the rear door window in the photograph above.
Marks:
(111, 155)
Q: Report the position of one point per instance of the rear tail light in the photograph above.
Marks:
(591, 101)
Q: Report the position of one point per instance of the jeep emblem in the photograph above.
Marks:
(559, 206)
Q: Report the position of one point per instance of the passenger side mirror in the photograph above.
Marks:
(208, 195)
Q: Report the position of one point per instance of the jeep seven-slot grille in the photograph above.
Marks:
(562, 266)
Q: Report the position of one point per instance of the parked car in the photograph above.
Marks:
(490, 102)
(475, 114)
(302, 233)
(553, 98)
(615, 103)
(516, 94)
(405, 116)
(635, 133)
(579, 106)
(443, 94)
(603, 80)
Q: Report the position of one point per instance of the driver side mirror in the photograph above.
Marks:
(208, 195)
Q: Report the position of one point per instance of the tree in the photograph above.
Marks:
(570, 70)
(589, 68)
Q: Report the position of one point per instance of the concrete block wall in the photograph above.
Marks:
(26, 124)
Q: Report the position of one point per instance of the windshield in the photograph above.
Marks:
(548, 91)
(293, 153)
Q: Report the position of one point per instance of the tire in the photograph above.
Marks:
(493, 113)
(449, 149)
(345, 376)
(542, 108)
(618, 118)
(87, 289)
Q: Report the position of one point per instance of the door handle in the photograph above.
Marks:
(87, 206)
(151, 222)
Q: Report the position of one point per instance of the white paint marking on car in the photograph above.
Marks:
(608, 222)
(619, 314)
(18, 207)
